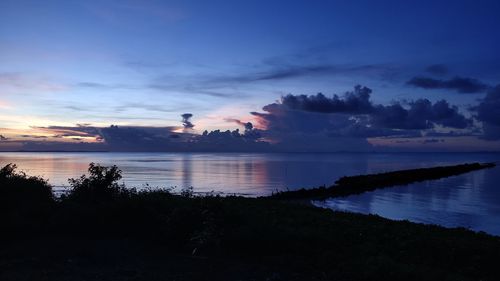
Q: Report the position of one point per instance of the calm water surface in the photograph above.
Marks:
(471, 200)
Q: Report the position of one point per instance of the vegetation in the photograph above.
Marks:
(102, 231)
(100, 186)
(25, 201)
(346, 186)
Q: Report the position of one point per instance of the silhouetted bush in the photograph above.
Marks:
(100, 185)
(25, 201)
(17, 188)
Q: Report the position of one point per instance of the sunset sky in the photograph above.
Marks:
(427, 73)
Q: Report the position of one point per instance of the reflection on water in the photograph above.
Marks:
(250, 174)
(470, 200)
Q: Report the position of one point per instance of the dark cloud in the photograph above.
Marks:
(426, 141)
(246, 125)
(459, 84)
(353, 116)
(158, 84)
(403, 134)
(92, 85)
(163, 139)
(78, 131)
(83, 124)
(60, 146)
(114, 138)
(135, 138)
(357, 101)
(2, 138)
(117, 138)
(164, 84)
(295, 71)
(93, 110)
(186, 121)
(76, 108)
(121, 138)
(33, 136)
(298, 130)
(488, 112)
(218, 140)
(420, 114)
(472, 132)
(102, 86)
(437, 69)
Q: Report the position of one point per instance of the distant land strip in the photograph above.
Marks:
(351, 185)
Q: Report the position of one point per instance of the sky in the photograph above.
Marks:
(249, 75)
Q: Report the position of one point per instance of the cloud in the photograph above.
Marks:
(118, 138)
(300, 123)
(103, 86)
(357, 101)
(284, 72)
(34, 136)
(419, 114)
(246, 125)
(130, 138)
(297, 120)
(161, 84)
(186, 121)
(67, 131)
(437, 69)
(191, 86)
(218, 140)
(96, 110)
(165, 139)
(459, 84)
(2, 138)
(58, 146)
(114, 138)
(488, 112)
(474, 131)
(426, 141)
(293, 72)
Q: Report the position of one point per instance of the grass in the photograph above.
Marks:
(113, 233)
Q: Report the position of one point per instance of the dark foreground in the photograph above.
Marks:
(102, 231)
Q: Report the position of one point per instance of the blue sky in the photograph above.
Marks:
(144, 63)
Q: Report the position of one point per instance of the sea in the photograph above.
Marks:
(470, 200)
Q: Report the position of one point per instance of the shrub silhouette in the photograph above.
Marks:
(100, 185)
(25, 201)
(18, 188)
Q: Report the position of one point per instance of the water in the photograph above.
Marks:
(471, 200)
